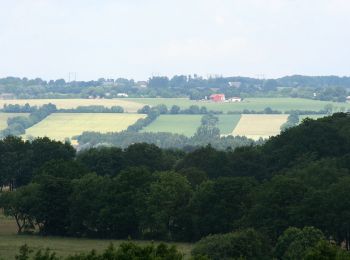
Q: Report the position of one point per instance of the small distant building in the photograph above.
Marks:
(235, 99)
(142, 84)
(122, 95)
(217, 97)
(348, 98)
(7, 96)
(235, 84)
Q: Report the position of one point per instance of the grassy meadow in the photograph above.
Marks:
(227, 123)
(5, 116)
(10, 242)
(259, 126)
(60, 126)
(176, 124)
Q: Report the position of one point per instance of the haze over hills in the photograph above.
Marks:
(174, 130)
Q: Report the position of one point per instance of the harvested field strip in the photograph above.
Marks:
(259, 126)
(60, 126)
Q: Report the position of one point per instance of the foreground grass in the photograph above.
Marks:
(10, 242)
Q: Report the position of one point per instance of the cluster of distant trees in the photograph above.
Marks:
(176, 110)
(284, 199)
(93, 109)
(330, 88)
(17, 125)
(125, 251)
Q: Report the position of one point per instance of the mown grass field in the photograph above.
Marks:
(259, 126)
(5, 116)
(128, 105)
(227, 123)
(176, 124)
(59, 126)
(188, 124)
(257, 104)
(10, 242)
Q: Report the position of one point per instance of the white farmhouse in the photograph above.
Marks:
(234, 99)
(122, 95)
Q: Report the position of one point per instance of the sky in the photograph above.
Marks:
(143, 38)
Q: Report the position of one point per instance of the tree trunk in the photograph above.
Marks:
(19, 226)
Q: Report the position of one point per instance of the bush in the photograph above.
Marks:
(241, 244)
(295, 242)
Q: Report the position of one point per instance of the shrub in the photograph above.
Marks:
(241, 244)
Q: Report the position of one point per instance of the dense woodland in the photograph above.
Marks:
(285, 198)
(332, 88)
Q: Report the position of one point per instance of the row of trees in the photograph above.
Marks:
(323, 88)
(17, 125)
(175, 109)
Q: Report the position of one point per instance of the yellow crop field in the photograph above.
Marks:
(60, 126)
(256, 126)
(129, 106)
(5, 116)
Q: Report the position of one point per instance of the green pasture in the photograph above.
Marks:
(188, 124)
(176, 124)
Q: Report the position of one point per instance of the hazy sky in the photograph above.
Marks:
(141, 38)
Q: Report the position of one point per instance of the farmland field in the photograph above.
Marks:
(256, 126)
(59, 126)
(128, 105)
(176, 124)
(227, 123)
(5, 116)
(10, 242)
(188, 124)
(257, 104)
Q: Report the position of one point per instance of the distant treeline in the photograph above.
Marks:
(17, 125)
(26, 108)
(330, 88)
(284, 199)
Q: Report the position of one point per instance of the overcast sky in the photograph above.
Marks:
(141, 38)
